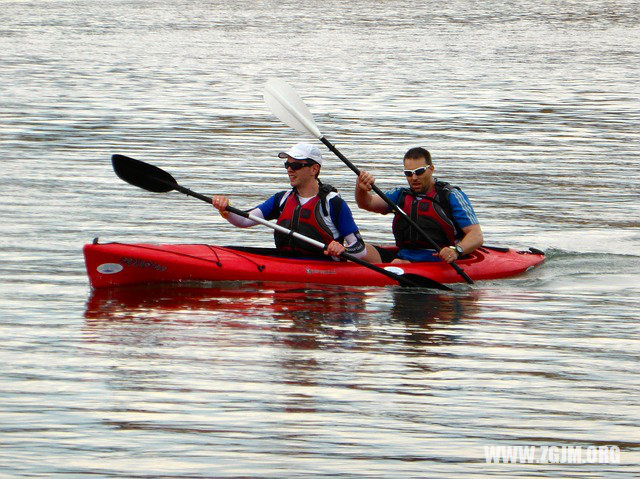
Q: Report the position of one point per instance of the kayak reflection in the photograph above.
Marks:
(298, 316)
(302, 316)
(430, 319)
(227, 300)
(302, 348)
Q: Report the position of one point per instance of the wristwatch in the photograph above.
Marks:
(458, 249)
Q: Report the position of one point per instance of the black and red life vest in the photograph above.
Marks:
(432, 212)
(307, 219)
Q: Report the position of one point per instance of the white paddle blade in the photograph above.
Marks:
(287, 105)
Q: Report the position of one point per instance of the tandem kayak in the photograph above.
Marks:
(117, 264)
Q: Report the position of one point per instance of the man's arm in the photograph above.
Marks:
(367, 200)
(342, 217)
(221, 202)
(472, 239)
(464, 216)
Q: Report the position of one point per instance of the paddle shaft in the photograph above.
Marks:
(311, 241)
(394, 207)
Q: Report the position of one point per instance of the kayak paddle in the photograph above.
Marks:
(152, 178)
(286, 104)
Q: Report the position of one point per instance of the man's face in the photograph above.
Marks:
(300, 176)
(418, 182)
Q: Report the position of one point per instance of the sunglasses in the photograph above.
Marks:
(295, 166)
(417, 171)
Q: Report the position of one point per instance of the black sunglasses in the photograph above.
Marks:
(295, 166)
(417, 171)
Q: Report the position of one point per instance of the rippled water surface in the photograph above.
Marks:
(532, 108)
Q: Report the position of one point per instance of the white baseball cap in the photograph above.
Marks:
(303, 151)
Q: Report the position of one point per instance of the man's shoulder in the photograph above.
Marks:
(281, 195)
(274, 203)
(395, 193)
(462, 210)
(456, 194)
(333, 194)
(335, 201)
(450, 191)
(445, 186)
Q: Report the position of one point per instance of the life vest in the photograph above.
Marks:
(305, 219)
(432, 213)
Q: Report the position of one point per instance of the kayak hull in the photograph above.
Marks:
(118, 264)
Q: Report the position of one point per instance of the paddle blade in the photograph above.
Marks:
(287, 105)
(143, 175)
(416, 280)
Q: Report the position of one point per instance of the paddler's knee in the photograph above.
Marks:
(400, 261)
(372, 256)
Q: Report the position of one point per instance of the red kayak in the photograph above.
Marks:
(116, 264)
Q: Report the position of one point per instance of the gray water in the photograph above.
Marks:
(532, 108)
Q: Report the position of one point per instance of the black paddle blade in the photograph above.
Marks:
(417, 281)
(143, 175)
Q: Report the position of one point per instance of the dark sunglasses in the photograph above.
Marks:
(295, 166)
(417, 171)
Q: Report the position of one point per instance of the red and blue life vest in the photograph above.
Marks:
(305, 219)
(431, 212)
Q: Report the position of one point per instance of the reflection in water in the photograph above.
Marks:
(302, 316)
(423, 308)
(426, 316)
(283, 301)
(305, 345)
(298, 303)
(298, 316)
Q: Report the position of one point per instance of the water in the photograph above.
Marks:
(532, 109)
